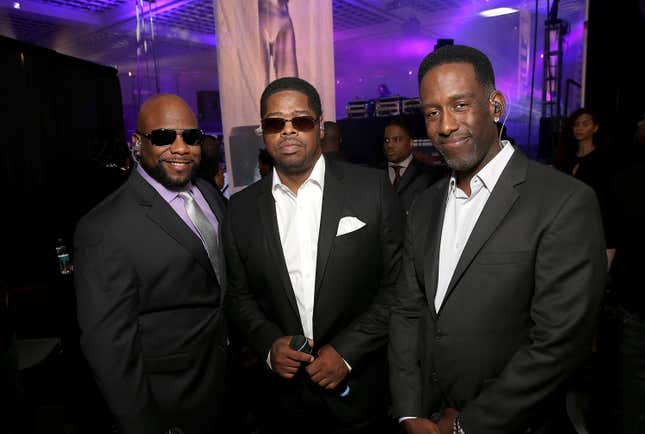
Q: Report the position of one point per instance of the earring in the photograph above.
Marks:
(496, 119)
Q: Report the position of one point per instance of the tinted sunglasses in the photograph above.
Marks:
(165, 137)
(300, 123)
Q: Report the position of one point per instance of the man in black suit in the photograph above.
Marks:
(408, 176)
(314, 250)
(504, 270)
(149, 282)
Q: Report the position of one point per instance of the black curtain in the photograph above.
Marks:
(60, 114)
(615, 86)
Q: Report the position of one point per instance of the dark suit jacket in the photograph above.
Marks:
(416, 178)
(149, 308)
(519, 313)
(355, 275)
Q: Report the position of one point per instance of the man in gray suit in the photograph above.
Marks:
(504, 270)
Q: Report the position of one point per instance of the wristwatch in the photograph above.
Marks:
(456, 426)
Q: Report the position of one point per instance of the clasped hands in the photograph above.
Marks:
(327, 369)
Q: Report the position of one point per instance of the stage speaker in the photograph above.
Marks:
(549, 136)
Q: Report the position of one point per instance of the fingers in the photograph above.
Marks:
(328, 369)
(299, 356)
(286, 361)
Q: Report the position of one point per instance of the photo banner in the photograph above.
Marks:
(257, 42)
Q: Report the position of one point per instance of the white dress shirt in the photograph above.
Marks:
(299, 224)
(404, 165)
(462, 213)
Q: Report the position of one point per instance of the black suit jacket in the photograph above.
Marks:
(416, 178)
(520, 310)
(355, 275)
(149, 308)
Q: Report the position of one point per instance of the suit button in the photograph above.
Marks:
(437, 336)
(435, 377)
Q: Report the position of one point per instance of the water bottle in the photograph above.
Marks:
(64, 262)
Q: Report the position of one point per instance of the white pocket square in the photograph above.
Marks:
(348, 224)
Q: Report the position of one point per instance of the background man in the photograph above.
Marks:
(332, 141)
(504, 271)
(314, 250)
(408, 176)
(148, 278)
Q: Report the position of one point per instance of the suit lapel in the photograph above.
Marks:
(332, 206)
(269, 222)
(408, 176)
(163, 215)
(498, 205)
(433, 243)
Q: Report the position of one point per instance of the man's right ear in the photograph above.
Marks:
(136, 147)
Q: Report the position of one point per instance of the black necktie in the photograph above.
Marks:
(397, 174)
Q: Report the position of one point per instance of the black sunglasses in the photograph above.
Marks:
(300, 123)
(165, 137)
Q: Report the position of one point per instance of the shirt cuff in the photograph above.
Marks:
(401, 419)
(348, 366)
(269, 360)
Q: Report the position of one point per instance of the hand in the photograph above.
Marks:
(328, 369)
(284, 361)
(447, 420)
(420, 425)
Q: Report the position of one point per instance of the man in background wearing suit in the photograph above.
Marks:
(408, 176)
(149, 283)
(314, 250)
(504, 270)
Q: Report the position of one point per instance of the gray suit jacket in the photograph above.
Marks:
(149, 308)
(520, 310)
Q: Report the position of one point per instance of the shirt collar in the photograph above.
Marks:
(317, 176)
(166, 194)
(490, 173)
(405, 163)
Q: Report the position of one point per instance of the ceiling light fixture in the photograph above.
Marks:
(497, 12)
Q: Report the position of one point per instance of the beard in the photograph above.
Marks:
(158, 173)
(294, 166)
(463, 163)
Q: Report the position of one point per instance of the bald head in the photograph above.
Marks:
(171, 164)
(165, 111)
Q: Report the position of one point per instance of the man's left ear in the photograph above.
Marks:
(321, 122)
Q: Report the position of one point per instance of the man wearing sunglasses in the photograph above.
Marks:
(314, 250)
(149, 279)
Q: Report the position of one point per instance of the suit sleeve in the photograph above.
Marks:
(369, 331)
(106, 290)
(241, 305)
(570, 273)
(405, 374)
